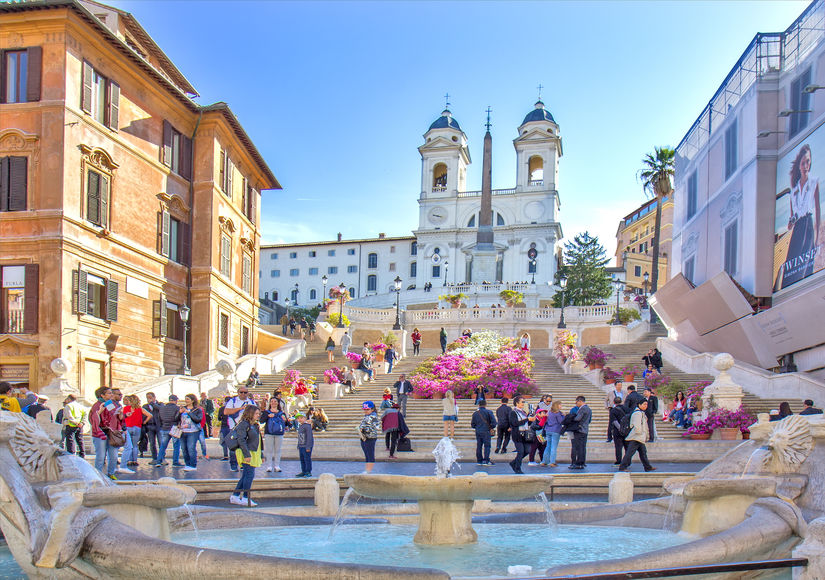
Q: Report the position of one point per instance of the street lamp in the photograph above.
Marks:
(183, 311)
(397, 325)
(341, 288)
(446, 266)
(286, 301)
(296, 294)
(618, 284)
(646, 278)
(533, 268)
(324, 281)
(563, 286)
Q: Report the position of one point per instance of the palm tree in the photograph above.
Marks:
(655, 176)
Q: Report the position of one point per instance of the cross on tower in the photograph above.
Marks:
(489, 110)
(539, 88)
(447, 100)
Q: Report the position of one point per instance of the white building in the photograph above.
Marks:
(748, 207)
(525, 216)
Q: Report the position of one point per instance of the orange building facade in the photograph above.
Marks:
(634, 244)
(121, 202)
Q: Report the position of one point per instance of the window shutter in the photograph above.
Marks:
(80, 287)
(166, 154)
(114, 105)
(4, 182)
(245, 196)
(3, 74)
(166, 220)
(253, 209)
(185, 157)
(86, 95)
(35, 58)
(93, 198)
(104, 201)
(32, 291)
(185, 233)
(159, 317)
(111, 300)
(229, 170)
(18, 180)
(164, 312)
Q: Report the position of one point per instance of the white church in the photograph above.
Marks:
(451, 250)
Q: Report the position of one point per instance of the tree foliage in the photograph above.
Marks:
(584, 266)
(657, 168)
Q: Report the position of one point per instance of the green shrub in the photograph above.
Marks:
(333, 319)
(627, 315)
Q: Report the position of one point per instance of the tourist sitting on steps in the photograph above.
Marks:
(809, 409)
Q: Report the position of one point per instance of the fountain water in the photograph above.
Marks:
(446, 455)
(346, 501)
(192, 519)
(545, 503)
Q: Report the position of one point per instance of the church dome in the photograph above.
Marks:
(538, 114)
(445, 121)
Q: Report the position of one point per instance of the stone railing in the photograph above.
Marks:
(477, 193)
(370, 314)
(571, 314)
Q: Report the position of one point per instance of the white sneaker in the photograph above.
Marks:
(532, 463)
(277, 469)
(124, 470)
(250, 503)
(236, 500)
(268, 469)
(190, 468)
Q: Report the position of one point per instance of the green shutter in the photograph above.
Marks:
(111, 300)
(114, 105)
(104, 201)
(80, 285)
(164, 233)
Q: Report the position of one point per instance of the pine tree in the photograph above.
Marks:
(587, 279)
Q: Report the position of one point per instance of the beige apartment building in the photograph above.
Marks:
(634, 244)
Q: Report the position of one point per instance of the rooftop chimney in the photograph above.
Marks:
(339, 236)
(382, 235)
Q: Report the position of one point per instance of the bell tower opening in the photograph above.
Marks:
(440, 177)
(535, 169)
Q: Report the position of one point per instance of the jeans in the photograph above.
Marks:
(632, 448)
(402, 403)
(245, 482)
(272, 450)
(153, 438)
(416, 347)
(620, 445)
(105, 453)
(224, 433)
(552, 445)
(164, 437)
(74, 435)
(389, 366)
(306, 460)
(537, 447)
(283, 329)
(483, 441)
(503, 439)
(679, 417)
(130, 450)
(202, 441)
(369, 372)
(189, 442)
(578, 455)
(651, 428)
(393, 435)
(443, 346)
(368, 447)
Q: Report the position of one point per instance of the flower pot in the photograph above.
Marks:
(417, 395)
(438, 395)
(729, 433)
(592, 366)
(628, 378)
(700, 436)
(746, 435)
(599, 365)
(609, 381)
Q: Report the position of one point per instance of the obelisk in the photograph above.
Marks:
(484, 253)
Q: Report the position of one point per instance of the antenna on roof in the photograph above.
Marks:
(487, 124)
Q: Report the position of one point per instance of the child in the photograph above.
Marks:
(305, 443)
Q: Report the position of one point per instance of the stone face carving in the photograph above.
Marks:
(34, 450)
(790, 443)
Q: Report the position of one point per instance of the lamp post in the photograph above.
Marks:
(324, 281)
(397, 325)
(296, 294)
(646, 278)
(183, 311)
(341, 288)
(618, 284)
(533, 268)
(563, 286)
(286, 301)
(446, 266)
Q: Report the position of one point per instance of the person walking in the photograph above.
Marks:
(369, 429)
(248, 454)
(391, 421)
(191, 418)
(152, 426)
(580, 427)
(275, 421)
(346, 342)
(552, 433)
(103, 417)
(224, 428)
(169, 415)
(519, 422)
(330, 348)
(503, 427)
(306, 441)
(74, 418)
(403, 388)
(484, 423)
(650, 413)
(450, 414)
(636, 438)
(416, 341)
(610, 401)
(442, 338)
(284, 323)
(614, 424)
(390, 357)
(233, 409)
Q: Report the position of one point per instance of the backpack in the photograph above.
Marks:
(231, 439)
(275, 425)
(625, 425)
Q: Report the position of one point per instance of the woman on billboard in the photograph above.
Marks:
(804, 221)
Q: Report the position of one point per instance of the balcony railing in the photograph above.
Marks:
(14, 322)
(477, 193)
(439, 188)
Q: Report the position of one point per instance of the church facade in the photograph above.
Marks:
(524, 220)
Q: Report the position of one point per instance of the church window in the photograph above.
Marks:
(440, 177)
(352, 292)
(472, 222)
(313, 294)
(499, 219)
(436, 272)
(535, 166)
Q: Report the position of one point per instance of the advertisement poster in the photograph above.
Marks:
(799, 240)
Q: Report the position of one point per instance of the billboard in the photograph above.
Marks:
(799, 229)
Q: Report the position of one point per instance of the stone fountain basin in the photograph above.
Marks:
(460, 488)
(150, 496)
(702, 489)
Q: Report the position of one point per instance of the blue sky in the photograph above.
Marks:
(337, 95)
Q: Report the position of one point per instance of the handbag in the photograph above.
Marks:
(528, 436)
(175, 431)
(113, 437)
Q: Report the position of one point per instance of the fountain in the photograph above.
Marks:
(445, 503)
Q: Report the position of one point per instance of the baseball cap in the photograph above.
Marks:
(173, 397)
(368, 405)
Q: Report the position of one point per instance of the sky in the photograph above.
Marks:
(337, 95)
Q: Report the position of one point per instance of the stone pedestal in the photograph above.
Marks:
(327, 494)
(59, 388)
(484, 264)
(620, 488)
(726, 394)
(328, 392)
(445, 522)
(226, 385)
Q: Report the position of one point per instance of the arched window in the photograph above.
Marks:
(439, 177)
(414, 249)
(496, 218)
(352, 292)
(372, 283)
(499, 219)
(472, 222)
(293, 296)
(313, 295)
(535, 167)
(274, 295)
(413, 269)
(372, 260)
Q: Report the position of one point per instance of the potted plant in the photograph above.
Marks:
(564, 346)
(629, 373)
(628, 315)
(700, 430)
(596, 357)
(455, 300)
(511, 297)
(610, 376)
(730, 423)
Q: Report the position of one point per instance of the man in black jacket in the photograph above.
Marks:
(650, 412)
(168, 416)
(519, 421)
(580, 427)
(403, 388)
(809, 409)
(617, 412)
(631, 401)
(503, 429)
(151, 427)
(483, 421)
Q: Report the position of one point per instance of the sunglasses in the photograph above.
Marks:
(243, 392)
